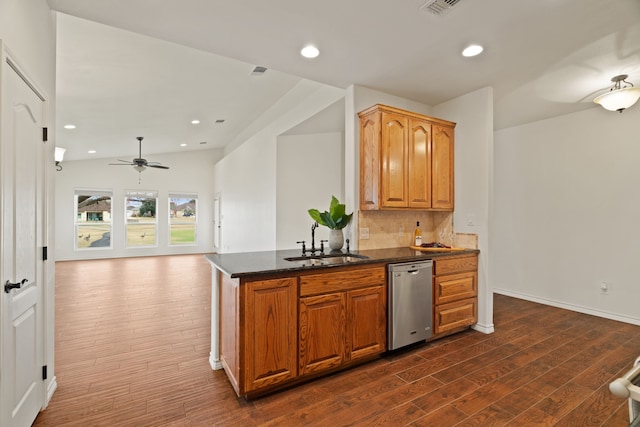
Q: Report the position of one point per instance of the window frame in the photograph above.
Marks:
(142, 194)
(77, 225)
(170, 221)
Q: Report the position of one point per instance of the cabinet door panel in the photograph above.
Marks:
(321, 332)
(442, 168)
(419, 164)
(394, 160)
(369, 161)
(455, 287)
(366, 324)
(271, 346)
(230, 328)
(456, 264)
(455, 315)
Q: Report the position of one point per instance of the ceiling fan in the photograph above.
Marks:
(139, 163)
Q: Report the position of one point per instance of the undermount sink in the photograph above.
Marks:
(326, 259)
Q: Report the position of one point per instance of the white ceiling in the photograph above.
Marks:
(543, 58)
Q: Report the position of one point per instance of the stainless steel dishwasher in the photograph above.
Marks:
(409, 317)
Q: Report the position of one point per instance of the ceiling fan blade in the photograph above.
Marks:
(158, 166)
(120, 164)
(126, 161)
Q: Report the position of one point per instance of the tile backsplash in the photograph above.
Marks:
(392, 229)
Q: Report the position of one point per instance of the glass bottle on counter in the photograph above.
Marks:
(417, 235)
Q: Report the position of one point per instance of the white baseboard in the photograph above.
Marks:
(485, 329)
(572, 307)
(215, 364)
(53, 386)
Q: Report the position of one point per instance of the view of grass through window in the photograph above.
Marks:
(140, 214)
(93, 219)
(182, 219)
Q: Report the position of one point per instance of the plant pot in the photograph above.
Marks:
(336, 239)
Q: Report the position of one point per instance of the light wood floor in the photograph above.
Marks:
(133, 339)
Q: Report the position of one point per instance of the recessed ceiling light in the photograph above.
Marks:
(69, 126)
(183, 145)
(310, 51)
(195, 122)
(472, 50)
(203, 142)
(219, 121)
(92, 151)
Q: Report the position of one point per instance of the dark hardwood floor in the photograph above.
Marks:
(133, 341)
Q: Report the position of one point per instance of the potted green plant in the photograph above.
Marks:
(335, 219)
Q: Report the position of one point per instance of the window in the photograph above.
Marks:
(93, 219)
(140, 214)
(182, 218)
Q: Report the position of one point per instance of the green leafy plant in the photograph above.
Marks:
(335, 219)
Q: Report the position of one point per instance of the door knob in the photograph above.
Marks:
(8, 286)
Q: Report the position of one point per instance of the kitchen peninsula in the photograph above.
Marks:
(279, 318)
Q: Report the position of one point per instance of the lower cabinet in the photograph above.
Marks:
(345, 325)
(341, 327)
(455, 288)
(366, 322)
(274, 331)
(321, 332)
(270, 321)
(280, 329)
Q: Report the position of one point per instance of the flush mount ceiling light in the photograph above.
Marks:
(310, 51)
(622, 95)
(195, 122)
(472, 50)
(69, 126)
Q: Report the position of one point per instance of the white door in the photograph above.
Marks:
(21, 201)
(217, 224)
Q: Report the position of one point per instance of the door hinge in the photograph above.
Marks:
(44, 253)
(44, 372)
(45, 134)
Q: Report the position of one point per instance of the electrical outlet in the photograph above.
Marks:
(401, 231)
(471, 220)
(604, 288)
(364, 233)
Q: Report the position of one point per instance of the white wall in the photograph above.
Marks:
(309, 170)
(246, 176)
(473, 114)
(28, 30)
(566, 212)
(190, 172)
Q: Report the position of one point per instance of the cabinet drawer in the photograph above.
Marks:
(454, 287)
(455, 315)
(345, 280)
(456, 265)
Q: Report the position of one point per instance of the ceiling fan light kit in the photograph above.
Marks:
(139, 164)
(619, 97)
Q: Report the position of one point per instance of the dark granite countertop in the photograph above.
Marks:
(255, 263)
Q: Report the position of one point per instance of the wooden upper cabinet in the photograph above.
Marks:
(414, 167)
(369, 162)
(395, 171)
(442, 161)
(420, 164)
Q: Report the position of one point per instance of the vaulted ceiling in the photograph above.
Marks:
(147, 68)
